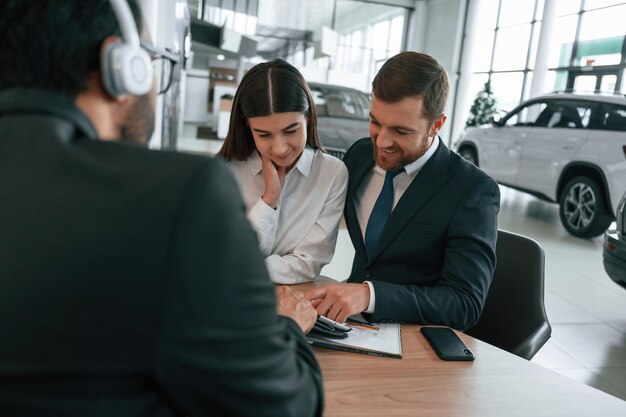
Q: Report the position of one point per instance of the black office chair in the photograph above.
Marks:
(514, 317)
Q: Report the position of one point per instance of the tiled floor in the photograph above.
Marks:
(586, 309)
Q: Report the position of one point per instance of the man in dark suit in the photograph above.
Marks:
(130, 280)
(422, 220)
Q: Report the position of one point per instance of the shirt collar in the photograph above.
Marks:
(306, 161)
(416, 166)
(32, 101)
(303, 165)
(254, 163)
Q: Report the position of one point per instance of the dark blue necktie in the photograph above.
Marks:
(380, 213)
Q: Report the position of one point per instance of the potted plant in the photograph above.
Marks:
(226, 102)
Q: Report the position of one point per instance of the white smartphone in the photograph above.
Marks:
(334, 324)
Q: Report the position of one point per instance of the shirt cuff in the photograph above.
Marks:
(264, 219)
(371, 306)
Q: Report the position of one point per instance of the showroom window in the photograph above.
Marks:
(363, 49)
(507, 44)
(361, 34)
(368, 34)
(587, 51)
(237, 15)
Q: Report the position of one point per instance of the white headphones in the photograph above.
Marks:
(126, 68)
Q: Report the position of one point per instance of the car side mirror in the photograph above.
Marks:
(496, 120)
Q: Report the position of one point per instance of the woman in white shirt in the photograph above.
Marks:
(293, 191)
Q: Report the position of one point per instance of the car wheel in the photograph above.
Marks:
(582, 208)
(469, 154)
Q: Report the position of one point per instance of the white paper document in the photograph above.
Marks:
(383, 339)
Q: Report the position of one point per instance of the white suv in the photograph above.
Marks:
(562, 147)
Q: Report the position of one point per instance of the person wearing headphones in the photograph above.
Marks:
(423, 221)
(294, 192)
(130, 279)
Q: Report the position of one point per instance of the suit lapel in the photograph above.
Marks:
(360, 172)
(430, 179)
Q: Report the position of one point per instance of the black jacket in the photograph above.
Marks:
(131, 283)
(436, 256)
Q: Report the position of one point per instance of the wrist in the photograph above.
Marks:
(270, 201)
(371, 301)
(366, 291)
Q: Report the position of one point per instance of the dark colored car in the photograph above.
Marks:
(615, 246)
(343, 116)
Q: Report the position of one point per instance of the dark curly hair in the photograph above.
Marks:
(55, 44)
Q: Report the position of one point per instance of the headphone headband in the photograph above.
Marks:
(126, 68)
(126, 21)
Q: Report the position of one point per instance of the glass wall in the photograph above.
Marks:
(237, 15)
(362, 34)
(586, 51)
(507, 41)
(365, 43)
(367, 34)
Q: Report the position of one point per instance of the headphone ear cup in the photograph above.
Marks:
(126, 70)
(106, 69)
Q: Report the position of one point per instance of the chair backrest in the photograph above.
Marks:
(514, 317)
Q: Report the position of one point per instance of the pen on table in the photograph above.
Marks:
(362, 324)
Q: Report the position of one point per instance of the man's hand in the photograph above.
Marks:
(340, 301)
(292, 304)
(274, 178)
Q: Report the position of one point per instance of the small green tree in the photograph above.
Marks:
(483, 108)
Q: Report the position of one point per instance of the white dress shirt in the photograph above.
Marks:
(367, 194)
(299, 236)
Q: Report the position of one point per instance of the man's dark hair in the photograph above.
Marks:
(413, 74)
(270, 87)
(55, 44)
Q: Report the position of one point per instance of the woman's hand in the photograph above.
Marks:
(291, 303)
(274, 177)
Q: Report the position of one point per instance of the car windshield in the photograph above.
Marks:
(340, 103)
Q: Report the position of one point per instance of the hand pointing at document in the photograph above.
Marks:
(339, 301)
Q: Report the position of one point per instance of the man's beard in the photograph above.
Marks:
(397, 164)
(404, 159)
(139, 125)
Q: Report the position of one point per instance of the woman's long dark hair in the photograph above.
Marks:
(270, 87)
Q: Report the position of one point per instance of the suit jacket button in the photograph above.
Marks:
(368, 273)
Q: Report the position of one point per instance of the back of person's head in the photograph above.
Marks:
(270, 87)
(413, 74)
(55, 44)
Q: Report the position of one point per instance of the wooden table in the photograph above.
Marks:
(497, 383)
